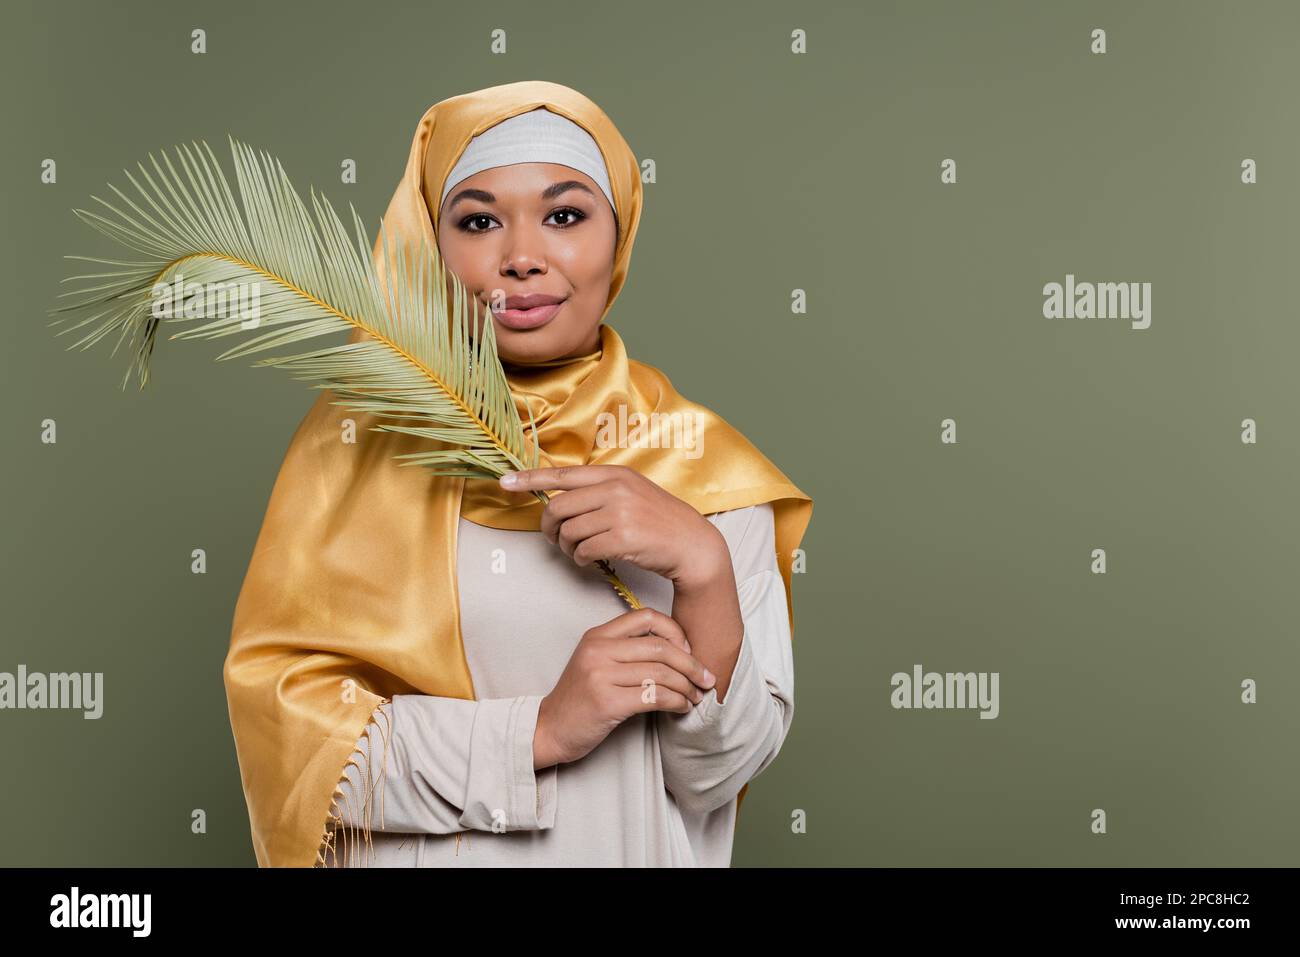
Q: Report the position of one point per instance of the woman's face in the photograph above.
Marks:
(534, 242)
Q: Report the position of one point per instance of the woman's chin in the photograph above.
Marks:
(537, 345)
(528, 352)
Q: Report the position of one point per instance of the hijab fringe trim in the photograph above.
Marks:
(337, 823)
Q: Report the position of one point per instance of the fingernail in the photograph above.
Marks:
(509, 479)
(708, 676)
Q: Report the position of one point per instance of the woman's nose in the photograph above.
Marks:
(525, 253)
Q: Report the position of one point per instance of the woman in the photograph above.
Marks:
(429, 671)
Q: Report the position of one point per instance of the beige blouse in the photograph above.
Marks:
(458, 788)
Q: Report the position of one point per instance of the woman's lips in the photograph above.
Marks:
(528, 318)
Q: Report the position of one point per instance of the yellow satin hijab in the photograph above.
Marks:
(351, 597)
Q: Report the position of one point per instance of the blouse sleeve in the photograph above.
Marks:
(451, 765)
(713, 750)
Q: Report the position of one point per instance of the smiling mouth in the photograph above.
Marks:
(528, 318)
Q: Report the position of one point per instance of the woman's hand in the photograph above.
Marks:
(615, 513)
(612, 675)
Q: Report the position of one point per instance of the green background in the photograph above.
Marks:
(775, 172)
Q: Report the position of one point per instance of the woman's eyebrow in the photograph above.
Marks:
(552, 191)
(482, 195)
(555, 189)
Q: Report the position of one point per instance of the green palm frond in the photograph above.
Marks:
(280, 274)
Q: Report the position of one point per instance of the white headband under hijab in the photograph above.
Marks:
(538, 136)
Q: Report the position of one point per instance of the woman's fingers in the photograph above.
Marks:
(652, 649)
(606, 545)
(561, 477)
(575, 530)
(653, 676)
(569, 505)
(637, 701)
(649, 635)
(642, 621)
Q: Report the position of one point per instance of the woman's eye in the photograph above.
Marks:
(574, 215)
(570, 217)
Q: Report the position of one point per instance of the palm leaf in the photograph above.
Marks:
(429, 367)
